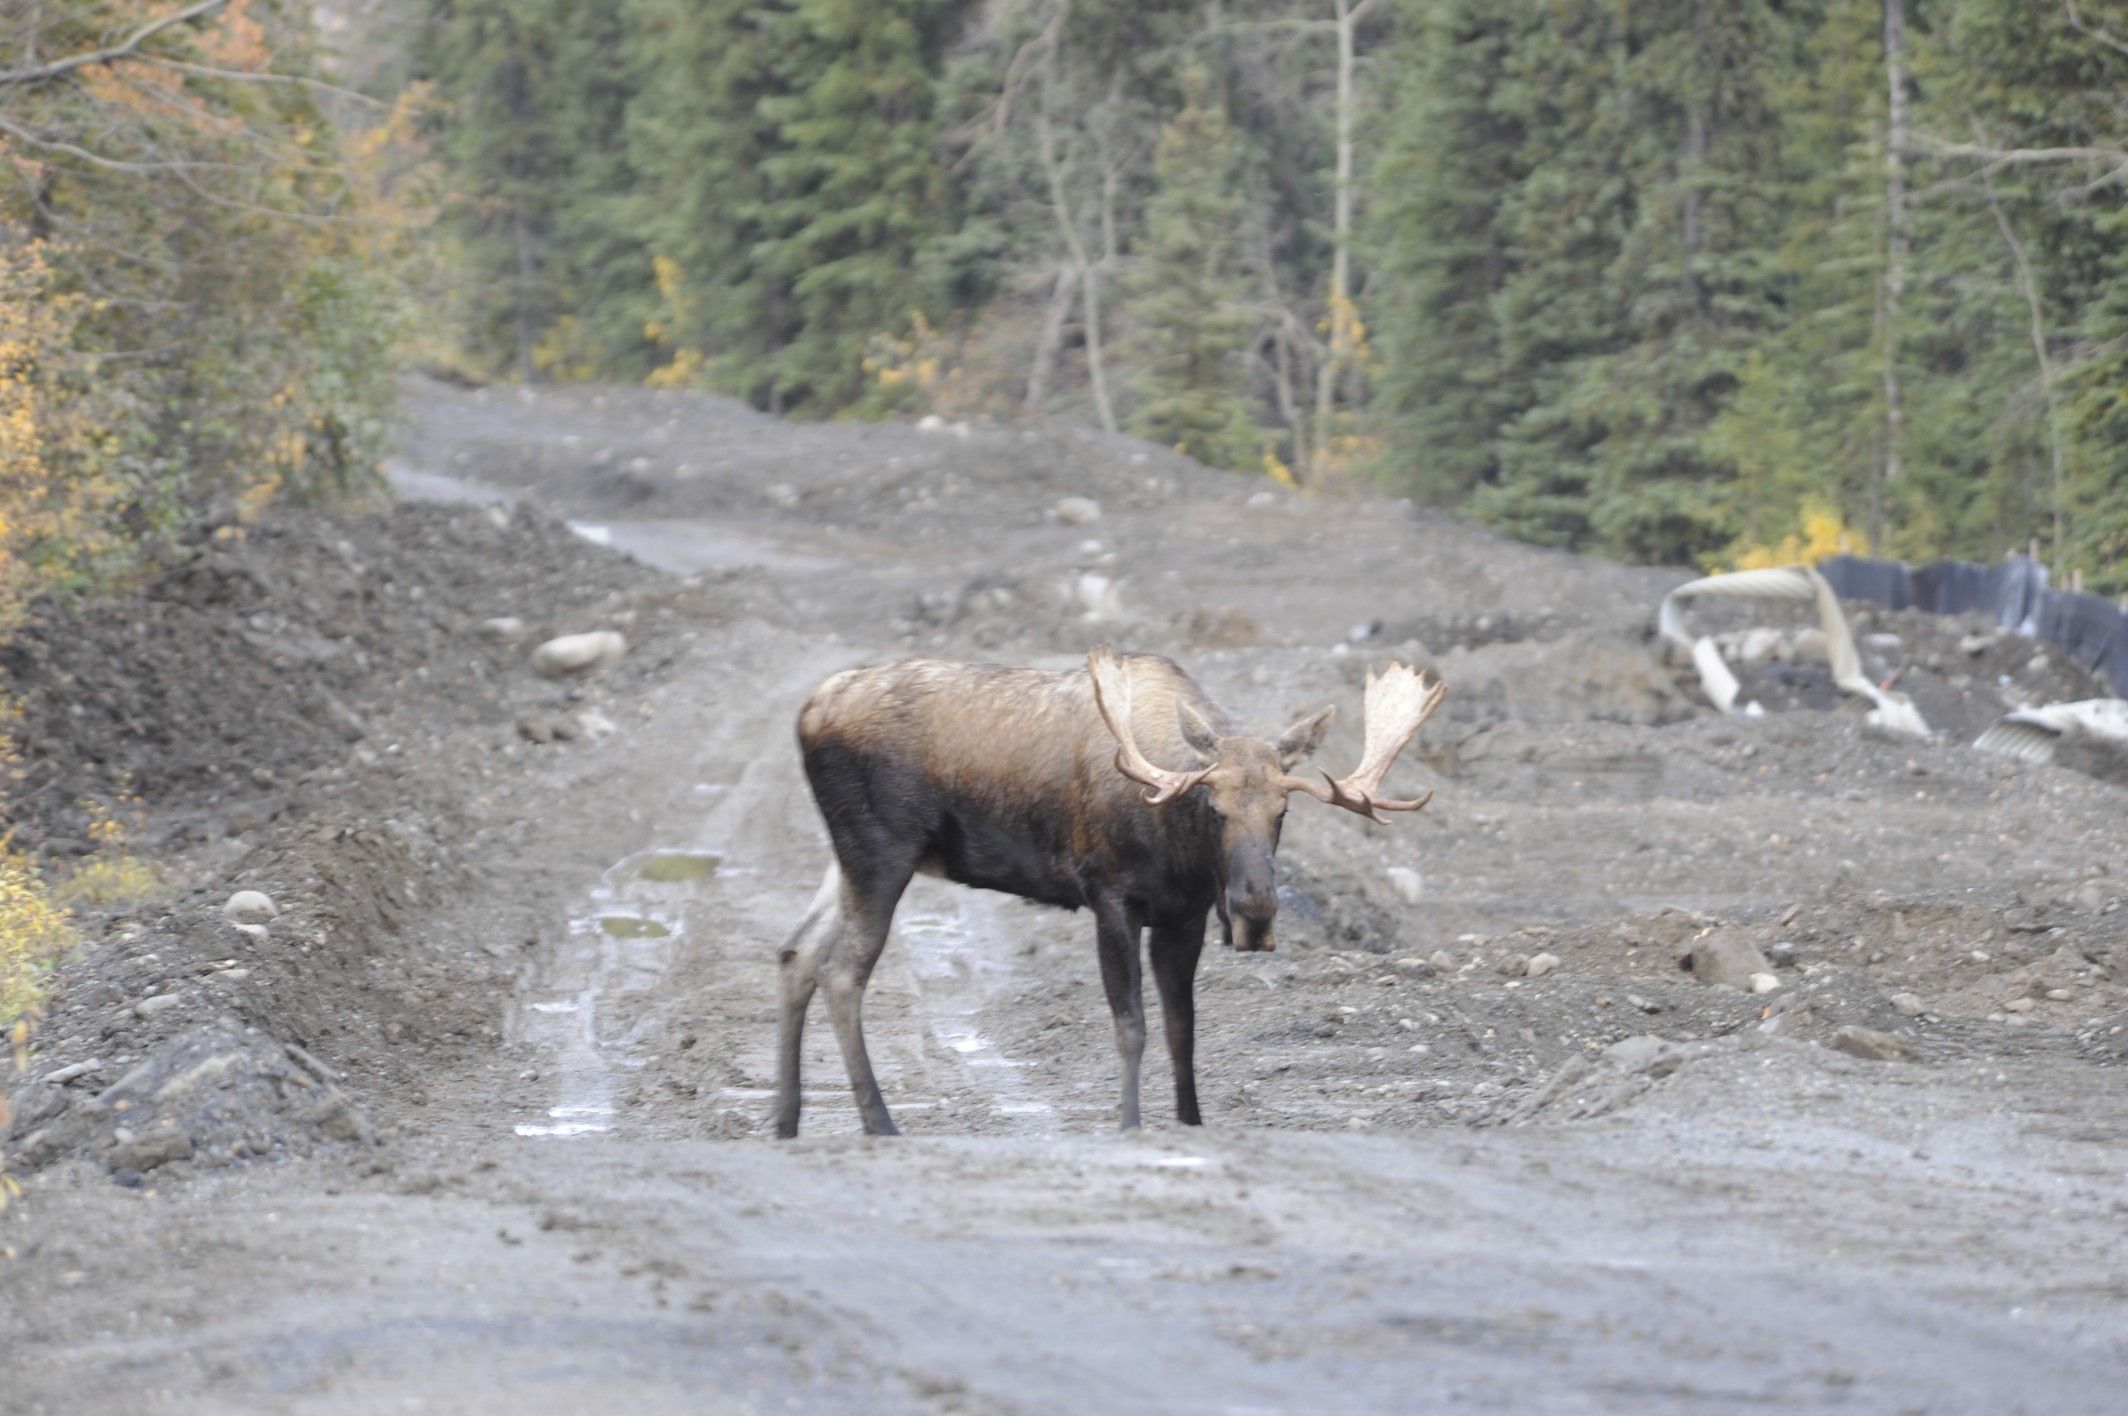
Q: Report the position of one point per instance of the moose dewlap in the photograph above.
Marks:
(1120, 788)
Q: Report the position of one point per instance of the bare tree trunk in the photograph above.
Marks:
(1282, 384)
(1096, 361)
(1068, 228)
(2029, 285)
(1052, 338)
(1344, 319)
(1691, 164)
(525, 271)
(1896, 238)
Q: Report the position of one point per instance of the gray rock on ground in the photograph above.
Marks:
(1727, 961)
(572, 654)
(1408, 883)
(1871, 1045)
(250, 907)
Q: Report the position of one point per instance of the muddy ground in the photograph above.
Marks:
(480, 1122)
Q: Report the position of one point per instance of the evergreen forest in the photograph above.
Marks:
(1676, 281)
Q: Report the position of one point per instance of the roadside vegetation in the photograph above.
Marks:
(202, 237)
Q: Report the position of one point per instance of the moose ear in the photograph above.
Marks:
(1297, 743)
(1198, 733)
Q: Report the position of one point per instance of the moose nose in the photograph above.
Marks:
(1252, 899)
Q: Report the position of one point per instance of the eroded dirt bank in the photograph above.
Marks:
(489, 1131)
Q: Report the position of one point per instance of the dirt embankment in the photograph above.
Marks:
(338, 714)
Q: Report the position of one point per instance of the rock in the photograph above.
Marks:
(2019, 1005)
(1078, 511)
(1907, 1005)
(503, 629)
(160, 1003)
(2090, 897)
(1871, 1045)
(199, 1073)
(2060, 995)
(1410, 885)
(1539, 965)
(1808, 645)
(158, 1147)
(1098, 596)
(579, 654)
(595, 725)
(782, 494)
(1764, 983)
(535, 730)
(1761, 644)
(256, 933)
(1645, 1052)
(250, 907)
(60, 1076)
(1727, 961)
(1441, 962)
(1411, 964)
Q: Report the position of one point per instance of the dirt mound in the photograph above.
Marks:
(259, 657)
(322, 712)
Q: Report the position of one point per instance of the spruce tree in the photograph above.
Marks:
(853, 184)
(1188, 331)
(1454, 149)
(696, 140)
(1641, 278)
(534, 139)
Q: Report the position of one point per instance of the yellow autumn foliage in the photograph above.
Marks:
(55, 482)
(1823, 532)
(34, 932)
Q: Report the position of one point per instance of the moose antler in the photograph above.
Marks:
(1112, 695)
(1398, 702)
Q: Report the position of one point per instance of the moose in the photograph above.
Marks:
(1120, 788)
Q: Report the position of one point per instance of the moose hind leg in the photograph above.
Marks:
(798, 968)
(868, 912)
(1175, 950)
(1117, 934)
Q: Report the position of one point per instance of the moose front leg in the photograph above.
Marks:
(1117, 932)
(1175, 949)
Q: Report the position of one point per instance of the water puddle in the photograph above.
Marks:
(679, 867)
(633, 927)
(587, 1014)
(681, 547)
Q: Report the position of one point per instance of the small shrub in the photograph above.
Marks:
(112, 881)
(34, 932)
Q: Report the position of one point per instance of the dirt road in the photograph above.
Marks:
(1427, 1182)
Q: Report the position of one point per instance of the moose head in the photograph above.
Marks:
(1246, 781)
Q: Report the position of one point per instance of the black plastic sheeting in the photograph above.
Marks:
(2013, 592)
